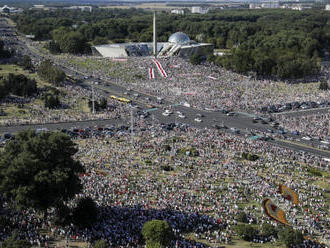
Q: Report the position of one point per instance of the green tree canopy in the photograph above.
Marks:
(27, 63)
(85, 214)
(245, 231)
(20, 85)
(157, 234)
(50, 73)
(38, 170)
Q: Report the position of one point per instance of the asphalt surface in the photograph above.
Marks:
(241, 121)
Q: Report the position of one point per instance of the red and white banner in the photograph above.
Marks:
(151, 73)
(160, 68)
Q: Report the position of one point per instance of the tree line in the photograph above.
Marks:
(269, 43)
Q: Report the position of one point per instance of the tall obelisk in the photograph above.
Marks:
(155, 36)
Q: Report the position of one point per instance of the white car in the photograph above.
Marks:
(306, 138)
(325, 142)
(198, 120)
(166, 113)
(182, 116)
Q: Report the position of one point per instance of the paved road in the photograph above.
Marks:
(241, 121)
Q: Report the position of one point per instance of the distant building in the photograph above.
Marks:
(82, 8)
(265, 5)
(7, 9)
(270, 5)
(199, 10)
(327, 7)
(179, 44)
(38, 6)
(177, 11)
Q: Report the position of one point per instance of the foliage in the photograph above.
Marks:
(324, 85)
(70, 41)
(242, 217)
(167, 168)
(85, 214)
(103, 104)
(100, 40)
(314, 172)
(100, 244)
(157, 233)
(290, 237)
(268, 230)
(53, 47)
(246, 232)
(62, 215)
(26, 63)
(4, 53)
(14, 242)
(4, 91)
(273, 43)
(50, 73)
(38, 170)
(196, 59)
(51, 101)
(249, 156)
(18, 85)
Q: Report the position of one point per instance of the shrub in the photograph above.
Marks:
(290, 237)
(85, 214)
(157, 233)
(314, 172)
(100, 244)
(242, 217)
(323, 85)
(167, 168)
(268, 230)
(246, 232)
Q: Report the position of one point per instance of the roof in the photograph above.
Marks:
(179, 38)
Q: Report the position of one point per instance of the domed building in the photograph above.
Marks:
(179, 38)
(179, 44)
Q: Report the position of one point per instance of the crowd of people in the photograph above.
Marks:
(315, 125)
(152, 175)
(202, 86)
(73, 98)
(202, 195)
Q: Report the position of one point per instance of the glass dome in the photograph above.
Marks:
(179, 38)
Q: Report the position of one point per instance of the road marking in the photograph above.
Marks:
(303, 145)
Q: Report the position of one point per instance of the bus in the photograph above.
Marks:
(124, 100)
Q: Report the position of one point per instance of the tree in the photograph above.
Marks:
(14, 242)
(20, 85)
(242, 217)
(323, 85)
(196, 59)
(50, 73)
(51, 101)
(38, 170)
(290, 237)
(27, 63)
(100, 244)
(268, 230)
(157, 233)
(246, 232)
(53, 47)
(4, 91)
(85, 214)
(103, 103)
